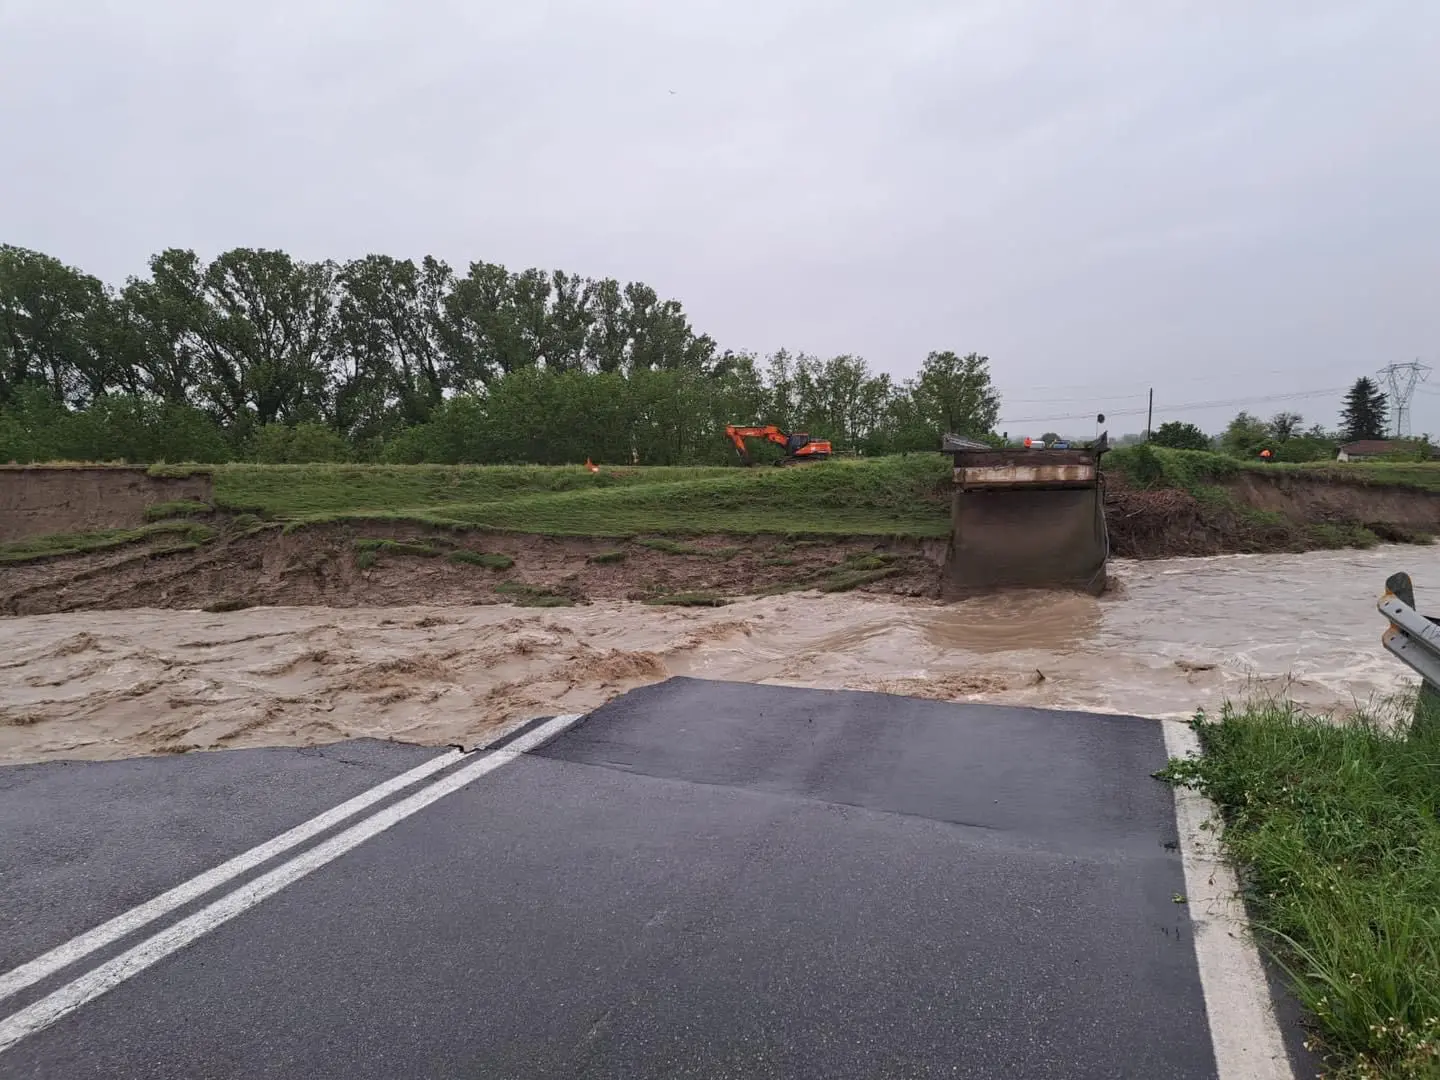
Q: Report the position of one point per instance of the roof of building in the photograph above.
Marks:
(1378, 446)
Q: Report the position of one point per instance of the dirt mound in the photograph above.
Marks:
(962, 686)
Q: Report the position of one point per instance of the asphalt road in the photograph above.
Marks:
(699, 880)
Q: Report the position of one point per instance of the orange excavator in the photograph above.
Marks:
(798, 447)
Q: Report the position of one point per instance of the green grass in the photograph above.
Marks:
(551, 600)
(397, 547)
(178, 508)
(1157, 466)
(231, 604)
(895, 496)
(1416, 474)
(1336, 831)
(1326, 535)
(524, 594)
(615, 555)
(676, 547)
(488, 559)
(688, 599)
(845, 580)
(1145, 466)
(39, 548)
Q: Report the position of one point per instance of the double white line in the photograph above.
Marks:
(112, 973)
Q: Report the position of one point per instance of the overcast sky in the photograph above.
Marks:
(1226, 200)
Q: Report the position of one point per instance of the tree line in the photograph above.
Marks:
(1364, 415)
(261, 356)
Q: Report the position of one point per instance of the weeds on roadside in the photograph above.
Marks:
(1336, 828)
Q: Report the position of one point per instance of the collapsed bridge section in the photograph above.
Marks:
(1025, 518)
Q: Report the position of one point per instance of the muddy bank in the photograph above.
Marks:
(43, 500)
(383, 565)
(1176, 635)
(1256, 512)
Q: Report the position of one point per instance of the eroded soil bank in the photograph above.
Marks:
(1174, 635)
(380, 565)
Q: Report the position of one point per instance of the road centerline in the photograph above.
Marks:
(112, 930)
(92, 984)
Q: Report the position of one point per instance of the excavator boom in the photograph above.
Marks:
(798, 446)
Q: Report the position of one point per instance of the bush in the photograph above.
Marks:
(1149, 466)
(116, 427)
(302, 444)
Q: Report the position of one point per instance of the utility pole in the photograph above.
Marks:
(1150, 414)
(1402, 379)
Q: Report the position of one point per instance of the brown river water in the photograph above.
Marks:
(1173, 636)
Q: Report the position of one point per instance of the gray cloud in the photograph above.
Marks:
(1223, 200)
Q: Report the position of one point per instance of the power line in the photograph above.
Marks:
(1098, 389)
(1193, 406)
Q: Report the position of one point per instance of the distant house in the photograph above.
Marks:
(1373, 448)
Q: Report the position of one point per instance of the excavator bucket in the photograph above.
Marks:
(1025, 518)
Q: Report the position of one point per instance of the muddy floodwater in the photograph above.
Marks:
(1173, 636)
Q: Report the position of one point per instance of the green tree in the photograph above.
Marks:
(1285, 425)
(954, 394)
(1050, 437)
(1363, 414)
(1244, 435)
(1180, 436)
(55, 326)
(391, 364)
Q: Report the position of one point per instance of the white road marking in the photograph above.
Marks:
(112, 973)
(1243, 1029)
(79, 947)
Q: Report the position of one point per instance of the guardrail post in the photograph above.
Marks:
(1414, 639)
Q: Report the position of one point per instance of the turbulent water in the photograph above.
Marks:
(1173, 636)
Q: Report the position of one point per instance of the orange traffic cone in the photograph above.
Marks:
(591, 465)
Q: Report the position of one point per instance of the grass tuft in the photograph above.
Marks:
(488, 559)
(526, 595)
(845, 580)
(397, 547)
(233, 603)
(1327, 535)
(612, 556)
(688, 599)
(178, 508)
(1337, 830)
(40, 548)
(676, 547)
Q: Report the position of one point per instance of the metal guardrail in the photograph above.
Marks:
(1411, 638)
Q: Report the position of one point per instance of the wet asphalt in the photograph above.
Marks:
(701, 879)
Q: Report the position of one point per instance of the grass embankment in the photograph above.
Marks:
(185, 536)
(1205, 476)
(896, 496)
(1158, 466)
(1337, 832)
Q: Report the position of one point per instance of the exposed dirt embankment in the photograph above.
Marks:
(44, 500)
(1260, 512)
(382, 565)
